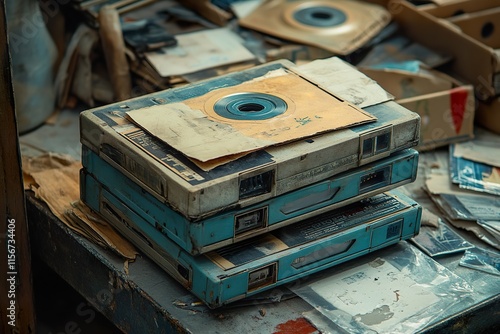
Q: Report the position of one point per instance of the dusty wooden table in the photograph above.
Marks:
(147, 300)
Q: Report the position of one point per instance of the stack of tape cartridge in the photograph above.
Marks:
(243, 182)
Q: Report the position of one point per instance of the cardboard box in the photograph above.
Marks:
(445, 105)
(453, 8)
(447, 116)
(488, 114)
(474, 59)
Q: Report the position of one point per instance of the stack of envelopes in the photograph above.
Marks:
(246, 181)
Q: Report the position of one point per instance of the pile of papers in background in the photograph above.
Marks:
(468, 195)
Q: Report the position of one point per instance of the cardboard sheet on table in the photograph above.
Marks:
(198, 51)
(193, 128)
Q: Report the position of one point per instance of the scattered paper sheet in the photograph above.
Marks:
(438, 184)
(481, 207)
(484, 148)
(492, 226)
(343, 80)
(473, 175)
(54, 179)
(463, 208)
(198, 51)
(459, 203)
(482, 260)
(440, 241)
(478, 230)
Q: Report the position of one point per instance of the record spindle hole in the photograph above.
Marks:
(320, 16)
(250, 106)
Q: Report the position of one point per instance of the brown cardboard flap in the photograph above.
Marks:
(482, 26)
(55, 180)
(488, 114)
(448, 9)
(446, 106)
(404, 84)
(473, 61)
